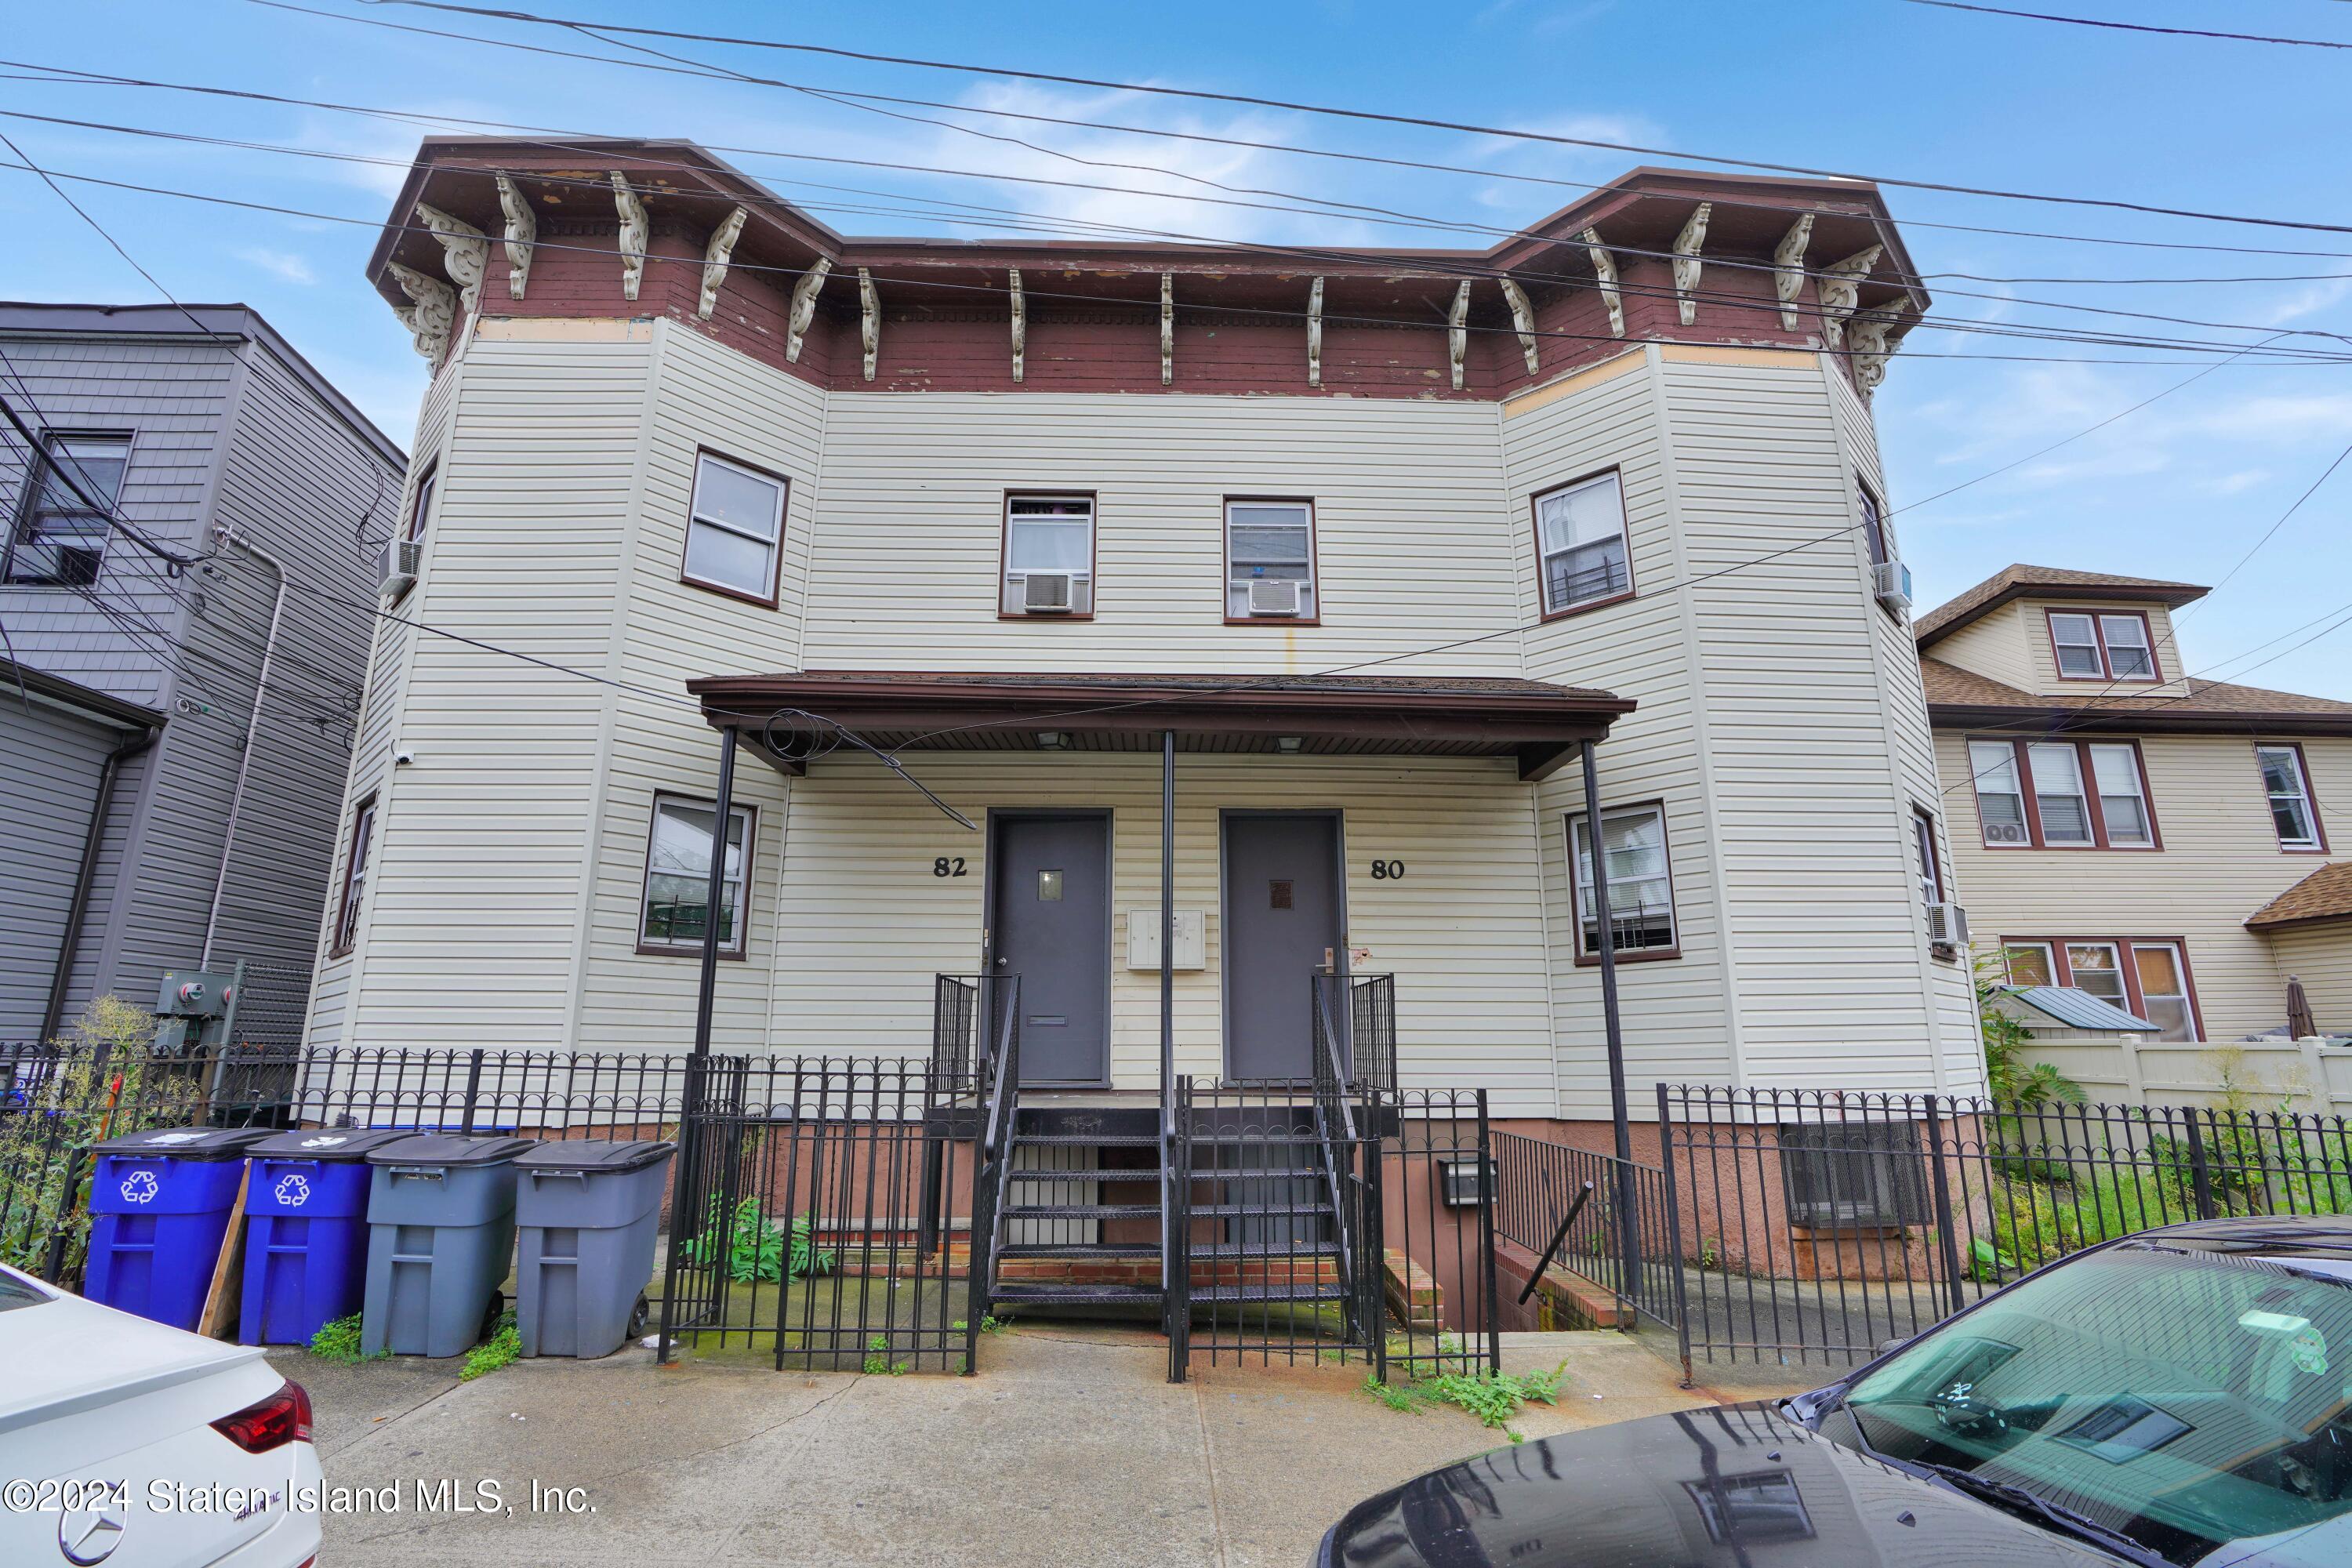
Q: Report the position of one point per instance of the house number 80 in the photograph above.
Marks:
(1388, 870)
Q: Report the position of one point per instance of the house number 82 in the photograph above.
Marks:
(1388, 870)
(947, 865)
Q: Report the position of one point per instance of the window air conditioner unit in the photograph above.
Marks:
(1274, 596)
(1891, 581)
(1046, 592)
(400, 560)
(1947, 925)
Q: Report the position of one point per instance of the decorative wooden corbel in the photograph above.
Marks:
(869, 320)
(715, 257)
(1788, 268)
(465, 251)
(1688, 245)
(1839, 285)
(431, 314)
(523, 230)
(1604, 267)
(1457, 332)
(1875, 334)
(637, 230)
(1315, 334)
(1167, 328)
(1523, 319)
(1020, 324)
(803, 308)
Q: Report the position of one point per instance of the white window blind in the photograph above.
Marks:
(2000, 800)
(1641, 890)
(2123, 797)
(2064, 811)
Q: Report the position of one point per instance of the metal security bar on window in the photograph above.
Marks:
(60, 541)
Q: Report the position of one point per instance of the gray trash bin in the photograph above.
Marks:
(440, 1233)
(587, 1212)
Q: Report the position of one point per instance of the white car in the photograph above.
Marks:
(139, 1446)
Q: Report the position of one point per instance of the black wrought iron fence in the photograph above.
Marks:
(1537, 1186)
(1813, 1226)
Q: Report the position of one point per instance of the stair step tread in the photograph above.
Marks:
(1079, 1249)
(1081, 1211)
(1219, 1251)
(1016, 1295)
(1244, 1293)
(1253, 1211)
(1089, 1139)
(1088, 1173)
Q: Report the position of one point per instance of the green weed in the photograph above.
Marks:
(500, 1350)
(1493, 1397)
(338, 1342)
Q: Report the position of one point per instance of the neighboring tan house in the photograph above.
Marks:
(2157, 840)
(1375, 542)
(185, 596)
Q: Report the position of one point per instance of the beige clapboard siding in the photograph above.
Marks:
(1994, 648)
(704, 397)
(1406, 502)
(1814, 851)
(2032, 628)
(472, 906)
(864, 924)
(2220, 862)
(2320, 955)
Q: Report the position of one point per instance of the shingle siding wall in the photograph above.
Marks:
(50, 766)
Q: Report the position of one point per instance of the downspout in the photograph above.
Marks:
(252, 734)
(93, 841)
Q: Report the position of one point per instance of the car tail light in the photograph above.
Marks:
(284, 1417)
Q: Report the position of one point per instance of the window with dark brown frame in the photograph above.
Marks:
(355, 875)
(57, 539)
(2295, 810)
(734, 529)
(1583, 549)
(420, 508)
(1270, 562)
(677, 878)
(1923, 847)
(2104, 645)
(2062, 795)
(2147, 977)
(1641, 884)
(1873, 526)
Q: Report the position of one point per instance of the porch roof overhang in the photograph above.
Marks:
(1538, 724)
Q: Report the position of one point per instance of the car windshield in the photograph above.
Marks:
(15, 1292)
(2184, 1400)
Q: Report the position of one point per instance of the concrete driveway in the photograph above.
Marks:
(1070, 1447)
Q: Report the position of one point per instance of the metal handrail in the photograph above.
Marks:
(1333, 1111)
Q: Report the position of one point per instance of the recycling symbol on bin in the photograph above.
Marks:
(293, 1190)
(140, 1187)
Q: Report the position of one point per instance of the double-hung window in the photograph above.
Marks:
(422, 505)
(2287, 784)
(60, 540)
(2146, 977)
(677, 878)
(1049, 555)
(734, 529)
(2090, 645)
(1641, 886)
(1580, 548)
(1930, 868)
(2164, 989)
(2061, 795)
(1270, 561)
(355, 875)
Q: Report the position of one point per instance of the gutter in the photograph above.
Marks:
(252, 732)
(92, 842)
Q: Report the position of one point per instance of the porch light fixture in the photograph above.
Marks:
(1458, 1186)
(1049, 740)
(1287, 743)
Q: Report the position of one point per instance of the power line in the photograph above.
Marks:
(66, 76)
(1447, 266)
(2044, 16)
(2256, 547)
(594, 29)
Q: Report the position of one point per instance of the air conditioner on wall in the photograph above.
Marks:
(1047, 593)
(1274, 596)
(1891, 581)
(400, 560)
(1947, 925)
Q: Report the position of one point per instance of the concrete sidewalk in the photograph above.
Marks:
(1070, 1446)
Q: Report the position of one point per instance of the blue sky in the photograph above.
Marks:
(2179, 490)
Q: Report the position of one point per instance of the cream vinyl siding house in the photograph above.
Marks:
(2211, 856)
(1776, 722)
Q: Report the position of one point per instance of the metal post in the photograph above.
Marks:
(473, 1090)
(1170, 1296)
(716, 892)
(1628, 1219)
(1675, 1233)
(1948, 1244)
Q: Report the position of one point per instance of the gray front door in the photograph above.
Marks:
(1282, 925)
(1052, 926)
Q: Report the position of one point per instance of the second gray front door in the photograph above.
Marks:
(1052, 925)
(1282, 925)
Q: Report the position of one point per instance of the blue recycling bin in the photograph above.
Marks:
(306, 1237)
(160, 1203)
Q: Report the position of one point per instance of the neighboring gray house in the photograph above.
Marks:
(181, 672)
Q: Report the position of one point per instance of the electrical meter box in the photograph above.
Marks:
(193, 1008)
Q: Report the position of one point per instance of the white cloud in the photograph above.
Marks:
(284, 263)
(2304, 301)
(2232, 484)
